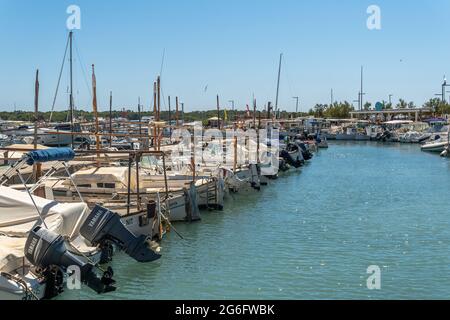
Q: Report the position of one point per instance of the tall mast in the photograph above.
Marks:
(176, 112)
(278, 84)
(37, 167)
(94, 107)
(71, 84)
(158, 87)
(110, 119)
(218, 113)
(170, 119)
(140, 118)
(362, 90)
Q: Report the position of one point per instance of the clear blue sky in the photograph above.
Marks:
(230, 46)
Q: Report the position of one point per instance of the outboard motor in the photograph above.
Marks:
(307, 155)
(289, 159)
(46, 250)
(103, 225)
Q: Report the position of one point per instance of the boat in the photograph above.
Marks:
(42, 240)
(347, 133)
(109, 186)
(437, 145)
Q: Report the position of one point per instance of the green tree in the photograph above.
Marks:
(401, 104)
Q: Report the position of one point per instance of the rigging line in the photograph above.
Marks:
(82, 69)
(59, 80)
(162, 62)
(160, 77)
(288, 78)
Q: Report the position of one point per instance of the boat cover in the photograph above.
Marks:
(52, 154)
(18, 216)
(117, 175)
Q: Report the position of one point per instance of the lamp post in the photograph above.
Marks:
(232, 104)
(443, 89)
(362, 88)
(296, 104)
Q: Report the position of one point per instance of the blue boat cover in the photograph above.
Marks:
(53, 154)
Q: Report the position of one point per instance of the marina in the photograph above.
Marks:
(207, 157)
(320, 244)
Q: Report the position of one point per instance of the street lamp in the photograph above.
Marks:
(296, 104)
(443, 89)
(390, 99)
(232, 104)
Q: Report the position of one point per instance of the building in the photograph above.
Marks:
(415, 114)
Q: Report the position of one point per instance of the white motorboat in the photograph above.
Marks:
(438, 145)
(41, 239)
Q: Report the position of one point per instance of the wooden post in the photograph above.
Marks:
(193, 167)
(254, 114)
(165, 177)
(141, 139)
(138, 192)
(130, 159)
(182, 112)
(257, 136)
(235, 154)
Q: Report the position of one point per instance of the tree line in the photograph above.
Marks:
(337, 110)
(341, 110)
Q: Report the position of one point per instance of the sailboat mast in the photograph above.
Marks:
(37, 167)
(110, 119)
(278, 85)
(362, 91)
(94, 108)
(140, 117)
(218, 113)
(71, 84)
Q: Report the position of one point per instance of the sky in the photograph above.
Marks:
(203, 48)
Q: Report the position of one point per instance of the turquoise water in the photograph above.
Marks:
(312, 235)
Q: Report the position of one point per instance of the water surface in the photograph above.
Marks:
(312, 234)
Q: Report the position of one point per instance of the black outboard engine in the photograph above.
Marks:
(307, 155)
(289, 159)
(46, 249)
(103, 225)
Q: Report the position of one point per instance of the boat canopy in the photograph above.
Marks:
(104, 175)
(53, 154)
(18, 215)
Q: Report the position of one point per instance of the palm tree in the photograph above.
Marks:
(401, 104)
